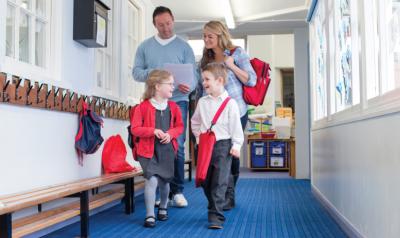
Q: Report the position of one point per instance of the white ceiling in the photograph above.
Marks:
(252, 17)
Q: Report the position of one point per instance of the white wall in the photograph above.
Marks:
(78, 61)
(302, 103)
(356, 167)
(37, 146)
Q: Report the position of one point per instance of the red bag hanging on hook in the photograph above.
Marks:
(205, 148)
(114, 155)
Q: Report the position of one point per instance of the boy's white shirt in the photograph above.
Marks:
(228, 125)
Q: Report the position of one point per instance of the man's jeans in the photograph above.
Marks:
(179, 178)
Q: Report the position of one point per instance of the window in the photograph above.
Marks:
(27, 34)
(344, 56)
(382, 47)
(318, 34)
(136, 89)
(106, 84)
(372, 48)
(359, 61)
(391, 39)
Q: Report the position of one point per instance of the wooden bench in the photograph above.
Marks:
(81, 188)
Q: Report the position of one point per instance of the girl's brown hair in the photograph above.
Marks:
(155, 77)
(224, 41)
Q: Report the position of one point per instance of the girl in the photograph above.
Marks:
(218, 48)
(157, 122)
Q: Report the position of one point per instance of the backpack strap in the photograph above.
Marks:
(233, 51)
(172, 105)
(220, 110)
(79, 135)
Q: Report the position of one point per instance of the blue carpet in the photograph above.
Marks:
(283, 208)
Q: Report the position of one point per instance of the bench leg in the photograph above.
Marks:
(5, 225)
(129, 196)
(84, 213)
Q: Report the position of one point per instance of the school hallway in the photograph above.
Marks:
(321, 151)
(266, 207)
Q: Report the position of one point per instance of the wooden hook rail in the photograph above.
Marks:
(24, 92)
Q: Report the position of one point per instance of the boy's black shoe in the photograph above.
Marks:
(161, 216)
(214, 226)
(149, 222)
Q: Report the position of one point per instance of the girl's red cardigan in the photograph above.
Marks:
(143, 126)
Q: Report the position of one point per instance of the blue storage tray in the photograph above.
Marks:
(258, 154)
(277, 148)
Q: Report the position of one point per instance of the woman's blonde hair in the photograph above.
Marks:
(155, 77)
(224, 40)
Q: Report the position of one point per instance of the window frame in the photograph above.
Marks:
(110, 86)
(121, 82)
(133, 89)
(50, 73)
(319, 10)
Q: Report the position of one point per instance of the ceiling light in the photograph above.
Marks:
(227, 9)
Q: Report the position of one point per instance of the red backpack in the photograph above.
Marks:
(255, 95)
(113, 157)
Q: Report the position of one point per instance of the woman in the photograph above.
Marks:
(218, 47)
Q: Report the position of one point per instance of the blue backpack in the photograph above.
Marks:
(88, 139)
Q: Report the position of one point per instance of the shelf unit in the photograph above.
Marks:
(271, 154)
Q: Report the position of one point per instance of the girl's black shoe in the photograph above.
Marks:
(163, 216)
(149, 222)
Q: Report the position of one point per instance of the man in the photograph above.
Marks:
(154, 53)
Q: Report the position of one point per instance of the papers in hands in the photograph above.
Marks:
(182, 73)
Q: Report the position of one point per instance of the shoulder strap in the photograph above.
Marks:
(220, 109)
(233, 50)
(172, 106)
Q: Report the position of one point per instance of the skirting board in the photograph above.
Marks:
(342, 221)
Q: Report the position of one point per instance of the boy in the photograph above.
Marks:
(229, 138)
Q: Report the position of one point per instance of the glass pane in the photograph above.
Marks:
(99, 75)
(393, 29)
(343, 30)
(107, 72)
(10, 33)
(40, 42)
(41, 7)
(320, 63)
(27, 4)
(24, 26)
(373, 80)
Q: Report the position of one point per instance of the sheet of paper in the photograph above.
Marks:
(183, 73)
(101, 30)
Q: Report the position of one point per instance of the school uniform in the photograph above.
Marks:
(155, 158)
(229, 134)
